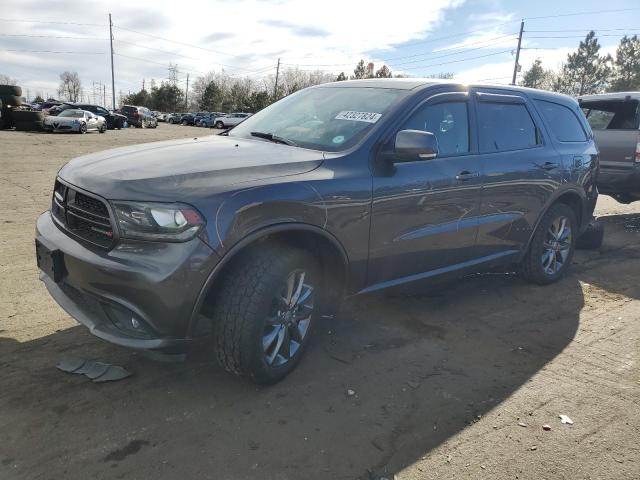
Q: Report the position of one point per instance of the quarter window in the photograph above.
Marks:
(563, 123)
(505, 126)
(448, 121)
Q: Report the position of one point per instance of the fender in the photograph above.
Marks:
(246, 241)
(553, 199)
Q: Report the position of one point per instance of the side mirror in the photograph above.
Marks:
(414, 145)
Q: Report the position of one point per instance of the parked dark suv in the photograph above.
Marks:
(140, 117)
(340, 189)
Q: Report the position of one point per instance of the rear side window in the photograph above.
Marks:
(448, 121)
(129, 109)
(505, 126)
(612, 114)
(563, 123)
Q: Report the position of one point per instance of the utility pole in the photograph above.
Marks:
(143, 84)
(186, 95)
(275, 88)
(113, 81)
(104, 95)
(517, 66)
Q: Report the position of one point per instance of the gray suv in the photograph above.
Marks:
(337, 190)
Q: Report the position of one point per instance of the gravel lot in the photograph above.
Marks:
(441, 379)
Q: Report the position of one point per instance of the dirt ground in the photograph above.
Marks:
(450, 384)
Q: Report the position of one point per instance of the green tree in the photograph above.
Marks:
(383, 72)
(537, 77)
(585, 71)
(360, 71)
(627, 65)
(258, 100)
(167, 97)
(212, 97)
(38, 99)
(341, 77)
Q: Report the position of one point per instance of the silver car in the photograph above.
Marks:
(230, 120)
(75, 120)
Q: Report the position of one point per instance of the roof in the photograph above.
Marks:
(421, 83)
(611, 96)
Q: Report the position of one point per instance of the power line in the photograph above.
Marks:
(51, 51)
(457, 61)
(50, 36)
(571, 36)
(594, 12)
(51, 22)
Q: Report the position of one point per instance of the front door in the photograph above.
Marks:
(425, 213)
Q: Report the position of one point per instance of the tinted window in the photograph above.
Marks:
(448, 121)
(505, 126)
(612, 114)
(563, 123)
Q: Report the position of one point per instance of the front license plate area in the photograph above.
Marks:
(50, 261)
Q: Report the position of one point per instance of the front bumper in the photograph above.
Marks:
(138, 295)
(62, 128)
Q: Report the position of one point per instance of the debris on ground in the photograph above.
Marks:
(546, 427)
(566, 420)
(350, 393)
(413, 385)
(99, 372)
(522, 424)
(533, 448)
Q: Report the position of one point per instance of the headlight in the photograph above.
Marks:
(169, 222)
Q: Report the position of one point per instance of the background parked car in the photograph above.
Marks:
(210, 119)
(615, 121)
(140, 117)
(114, 120)
(187, 119)
(75, 120)
(173, 117)
(230, 120)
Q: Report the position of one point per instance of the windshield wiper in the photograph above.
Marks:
(273, 138)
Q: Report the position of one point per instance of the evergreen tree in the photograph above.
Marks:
(627, 65)
(360, 71)
(211, 98)
(341, 77)
(537, 77)
(585, 72)
(383, 72)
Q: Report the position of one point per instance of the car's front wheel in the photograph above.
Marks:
(82, 129)
(219, 124)
(264, 313)
(552, 246)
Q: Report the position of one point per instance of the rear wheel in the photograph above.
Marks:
(103, 128)
(219, 124)
(83, 128)
(552, 247)
(263, 316)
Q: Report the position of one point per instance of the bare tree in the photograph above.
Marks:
(70, 86)
(7, 80)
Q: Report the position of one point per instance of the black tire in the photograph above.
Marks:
(184, 123)
(12, 100)
(103, 128)
(531, 267)
(12, 90)
(240, 314)
(171, 121)
(219, 124)
(29, 126)
(7, 118)
(83, 129)
(624, 198)
(592, 238)
(27, 116)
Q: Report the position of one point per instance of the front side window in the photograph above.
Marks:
(563, 123)
(322, 118)
(448, 121)
(505, 126)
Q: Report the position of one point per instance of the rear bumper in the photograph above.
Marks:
(623, 179)
(138, 295)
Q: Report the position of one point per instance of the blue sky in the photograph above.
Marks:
(475, 40)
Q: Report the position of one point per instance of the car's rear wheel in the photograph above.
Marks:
(264, 313)
(219, 124)
(184, 123)
(83, 128)
(552, 246)
(103, 128)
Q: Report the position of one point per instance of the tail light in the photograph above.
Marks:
(638, 152)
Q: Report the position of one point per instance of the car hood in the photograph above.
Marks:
(185, 169)
(51, 119)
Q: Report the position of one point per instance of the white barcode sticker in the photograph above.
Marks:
(368, 117)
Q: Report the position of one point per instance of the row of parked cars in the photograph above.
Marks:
(205, 119)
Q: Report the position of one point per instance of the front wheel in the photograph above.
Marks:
(219, 124)
(264, 313)
(103, 128)
(83, 128)
(552, 246)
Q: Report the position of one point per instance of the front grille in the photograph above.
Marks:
(82, 215)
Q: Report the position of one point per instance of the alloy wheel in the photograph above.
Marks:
(289, 320)
(557, 245)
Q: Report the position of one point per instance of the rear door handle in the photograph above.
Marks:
(466, 175)
(549, 166)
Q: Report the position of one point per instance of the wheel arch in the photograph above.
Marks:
(320, 243)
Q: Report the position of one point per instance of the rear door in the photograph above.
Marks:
(521, 170)
(425, 213)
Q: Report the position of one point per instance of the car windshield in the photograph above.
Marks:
(72, 113)
(330, 119)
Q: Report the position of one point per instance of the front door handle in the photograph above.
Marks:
(466, 175)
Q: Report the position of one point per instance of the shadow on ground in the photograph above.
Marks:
(423, 367)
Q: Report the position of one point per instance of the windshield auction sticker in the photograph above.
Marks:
(368, 117)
